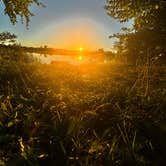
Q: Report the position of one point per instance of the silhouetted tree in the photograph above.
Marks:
(148, 34)
(7, 37)
(15, 8)
(143, 12)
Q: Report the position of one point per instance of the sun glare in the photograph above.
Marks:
(81, 49)
(80, 58)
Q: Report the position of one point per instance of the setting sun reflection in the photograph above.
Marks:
(80, 58)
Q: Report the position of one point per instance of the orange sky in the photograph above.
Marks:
(73, 33)
(66, 24)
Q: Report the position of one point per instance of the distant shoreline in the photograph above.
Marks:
(54, 51)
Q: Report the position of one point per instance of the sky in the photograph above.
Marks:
(66, 24)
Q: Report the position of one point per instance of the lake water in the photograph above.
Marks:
(74, 60)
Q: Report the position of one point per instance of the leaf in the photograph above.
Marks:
(151, 146)
(156, 7)
(23, 98)
(96, 147)
(106, 132)
(10, 124)
(2, 163)
(19, 106)
(1, 124)
(42, 156)
(3, 106)
(95, 134)
(133, 143)
(62, 147)
(122, 134)
(113, 145)
(21, 144)
(59, 116)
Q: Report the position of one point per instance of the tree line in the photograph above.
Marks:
(146, 40)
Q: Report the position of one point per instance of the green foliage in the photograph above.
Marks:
(146, 39)
(145, 13)
(15, 8)
(14, 52)
(90, 115)
(7, 37)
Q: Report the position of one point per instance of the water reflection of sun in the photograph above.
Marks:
(80, 58)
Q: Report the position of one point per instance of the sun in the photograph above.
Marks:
(81, 49)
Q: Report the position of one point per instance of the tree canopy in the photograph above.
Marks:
(149, 27)
(143, 12)
(7, 37)
(15, 8)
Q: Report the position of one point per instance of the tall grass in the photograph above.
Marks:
(61, 114)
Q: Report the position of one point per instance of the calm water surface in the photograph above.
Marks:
(74, 60)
